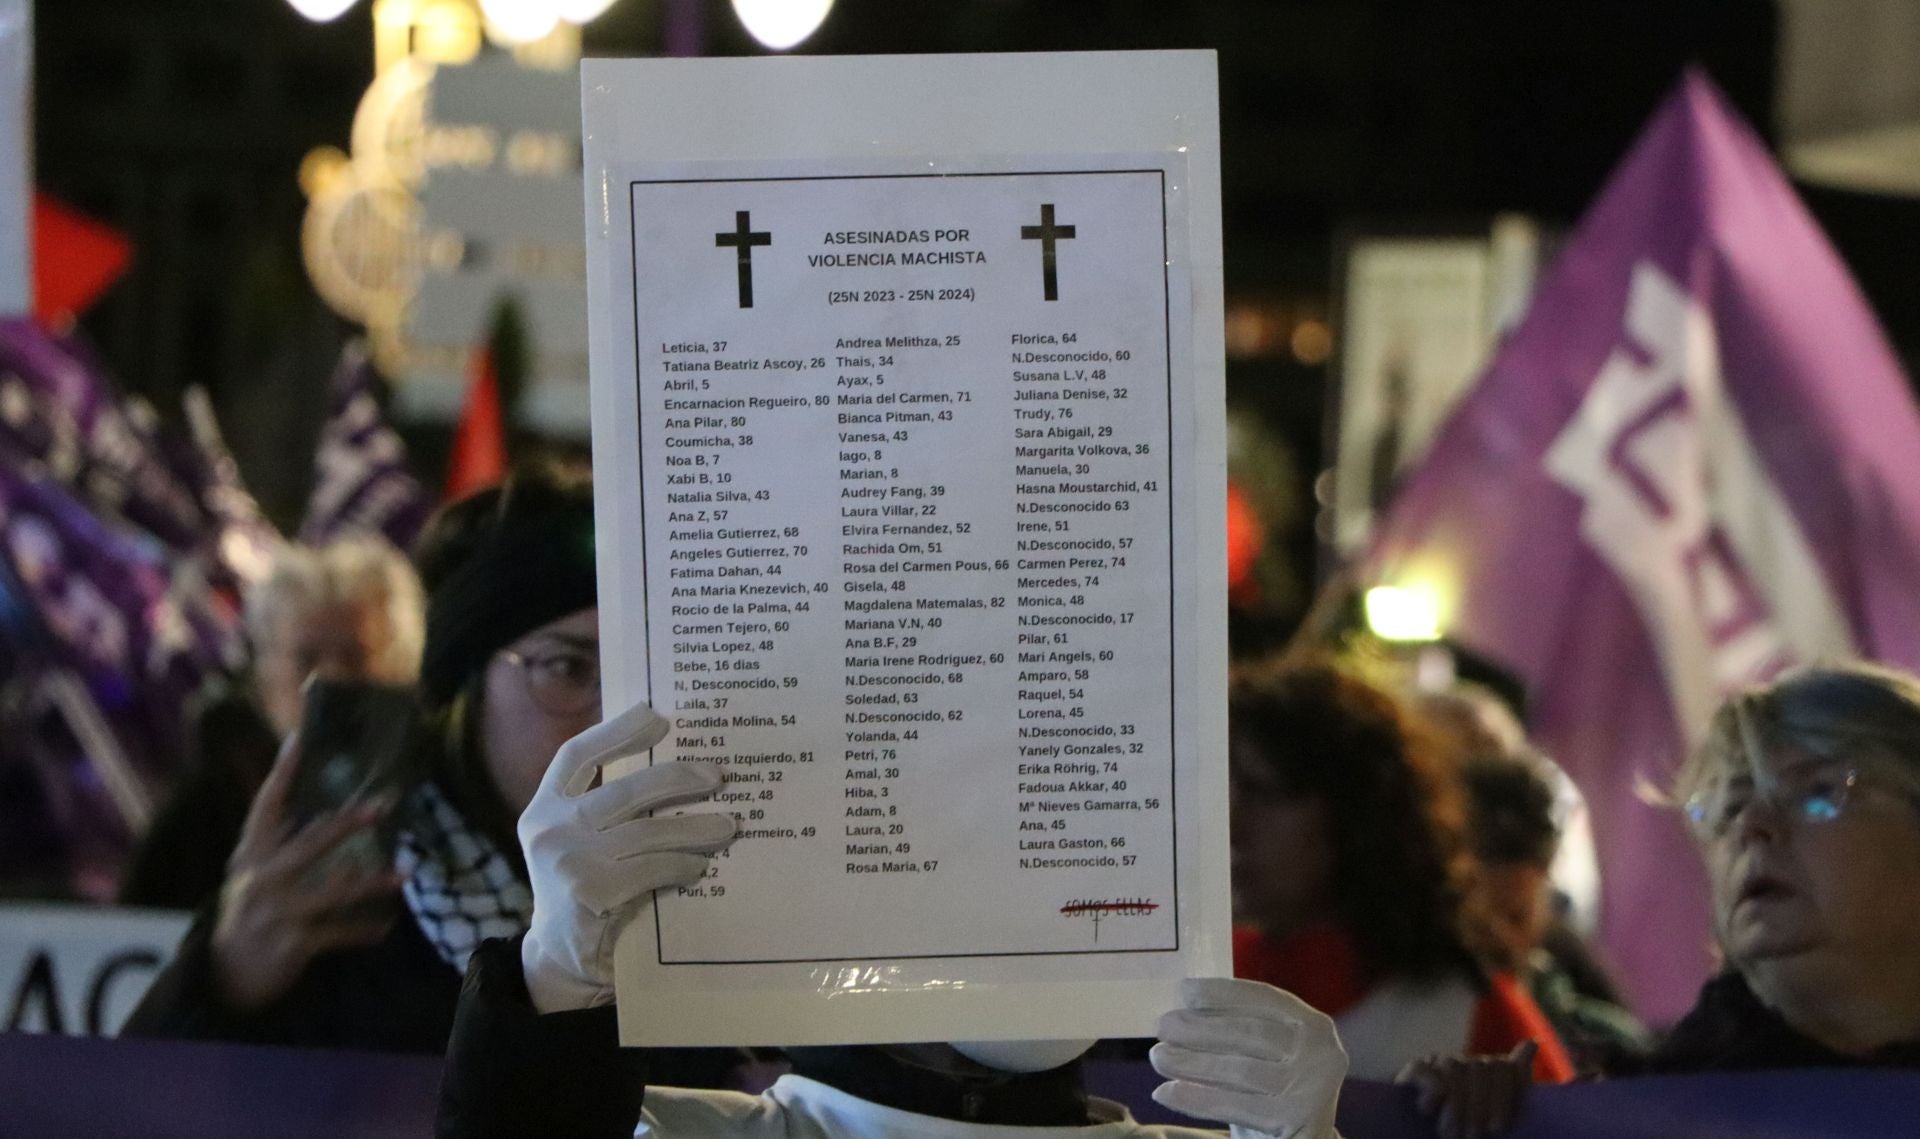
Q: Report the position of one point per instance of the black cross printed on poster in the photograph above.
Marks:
(744, 239)
(1046, 233)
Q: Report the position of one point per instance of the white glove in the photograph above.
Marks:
(595, 858)
(1252, 1056)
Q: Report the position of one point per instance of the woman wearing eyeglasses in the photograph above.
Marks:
(510, 671)
(1804, 800)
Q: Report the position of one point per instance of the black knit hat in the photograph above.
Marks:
(498, 565)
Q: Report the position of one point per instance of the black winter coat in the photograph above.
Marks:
(1729, 1030)
(394, 996)
(399, 996)
(514, 1072)
(182, 858)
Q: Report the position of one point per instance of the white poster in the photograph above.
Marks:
(16, 157)
(1416, 327)
(910, 480)
(500, 215)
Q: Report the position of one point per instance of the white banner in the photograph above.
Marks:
(78, 970)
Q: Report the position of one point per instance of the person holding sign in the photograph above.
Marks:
(534, 1047)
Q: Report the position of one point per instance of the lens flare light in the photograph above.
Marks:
(320, 11)
(781, 24)
(1404, 613)
(581, 11)
(520, 21)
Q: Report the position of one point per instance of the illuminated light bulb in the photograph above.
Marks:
(320, 11)
(322, 169)
(1312, 342)
(1408, 613)
(446, 31)
(519, 21)
(581, 11)
(780, 24)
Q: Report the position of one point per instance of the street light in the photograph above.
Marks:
(1409, 614)
(520, 21)
(320, 11)
(581, 11)
(780, 24)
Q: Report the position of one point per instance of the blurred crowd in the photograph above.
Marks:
(1404, 860)
(1393, 846)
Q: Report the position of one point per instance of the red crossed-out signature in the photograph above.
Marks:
(1102, 909)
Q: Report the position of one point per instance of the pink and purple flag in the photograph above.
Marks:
(119, 579)
(362, 483)
(61, 415)
(1696, 462)
(239, 543)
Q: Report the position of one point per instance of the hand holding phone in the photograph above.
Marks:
(356, 745)
(313, 870)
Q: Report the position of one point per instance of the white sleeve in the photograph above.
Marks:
(689, 1113)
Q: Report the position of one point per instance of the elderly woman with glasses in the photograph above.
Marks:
(295, 951)
(1804, 800)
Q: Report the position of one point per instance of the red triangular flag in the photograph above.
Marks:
(75, 259)
(479, 458)
(1246, 537)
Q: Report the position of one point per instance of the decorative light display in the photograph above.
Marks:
(781, 24)
(320, 11)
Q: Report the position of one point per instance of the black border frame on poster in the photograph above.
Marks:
(1166, 293)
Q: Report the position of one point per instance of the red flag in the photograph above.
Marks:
(75, 259)
(479, 458)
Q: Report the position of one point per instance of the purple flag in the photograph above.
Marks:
(123, 634)
(1695, 462)
(61, 417)
(242, 543)
(122, 548)
(363, 483)
(58, 412)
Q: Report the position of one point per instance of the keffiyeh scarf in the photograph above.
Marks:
(460, 888)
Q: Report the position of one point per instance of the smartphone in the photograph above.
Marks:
(357, 740)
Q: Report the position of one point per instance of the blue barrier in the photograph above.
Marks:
(106, 1089)
(162, 1089)
(1836, 1104)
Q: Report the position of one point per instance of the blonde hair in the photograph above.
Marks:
(356, 570)
(1855, 710)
